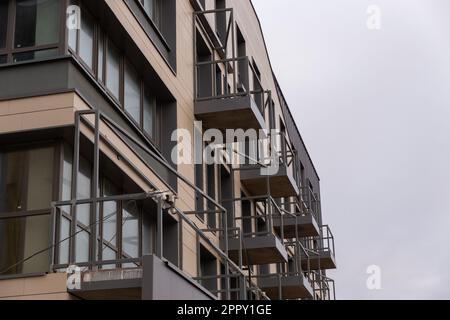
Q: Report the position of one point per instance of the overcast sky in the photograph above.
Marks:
(374, 110)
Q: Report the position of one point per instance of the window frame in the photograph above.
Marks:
(56, 191)
(10, 50)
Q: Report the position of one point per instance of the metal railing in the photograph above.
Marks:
(309, 201)
(92, 120)
(231, 83)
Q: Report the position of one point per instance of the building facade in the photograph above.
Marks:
(147, 152)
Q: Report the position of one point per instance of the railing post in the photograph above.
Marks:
(160, 228)
(73, 207)
(96, 173)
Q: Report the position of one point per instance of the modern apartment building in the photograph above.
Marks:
(102, 198)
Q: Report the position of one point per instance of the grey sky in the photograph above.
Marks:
(374, 110)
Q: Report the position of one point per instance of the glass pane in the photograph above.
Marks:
(26, 180)
(110, 214)
(3, 23)
(149, 113)
(110, 223)
(37, 23)
(101, 61)
(84, 191)
(82, 246)
(72, 32)
(40, 179)
(109, 254)
(66, 187)
(64, 232)
(153, 9)
(3, 59)
(87, 39)
(113, 70)
(32, 55)
(21, 238)
(132, 93)
(130, 229)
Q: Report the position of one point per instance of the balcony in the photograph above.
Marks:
(320, 251)
(152, 281)
(225, 101)
(130, 273)
(275, 175)
(324, 287)
(286, 286)
(254, 241)
(260, 250)
(299, 218)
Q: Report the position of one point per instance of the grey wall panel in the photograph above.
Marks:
(161, 282)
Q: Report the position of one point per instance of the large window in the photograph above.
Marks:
(115, 73)
(26, 192)
(124, 229)
(35, 26)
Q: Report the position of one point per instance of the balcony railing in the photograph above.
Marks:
(224, 99)
(324, 246)
(273, 169)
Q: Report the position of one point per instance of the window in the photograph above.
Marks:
(153, 8)
(150, 114)
(26, 192)
(101, 58)
(113, 70)
(221, 21)
(26, 180)
(130, 230)
(32, 31)
(126, 229)
(22, 237)
(132, 94)
(109, 222)
(3, 22)
(37, 23)
(86, 50)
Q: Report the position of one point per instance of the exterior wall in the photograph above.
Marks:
(49, 287)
